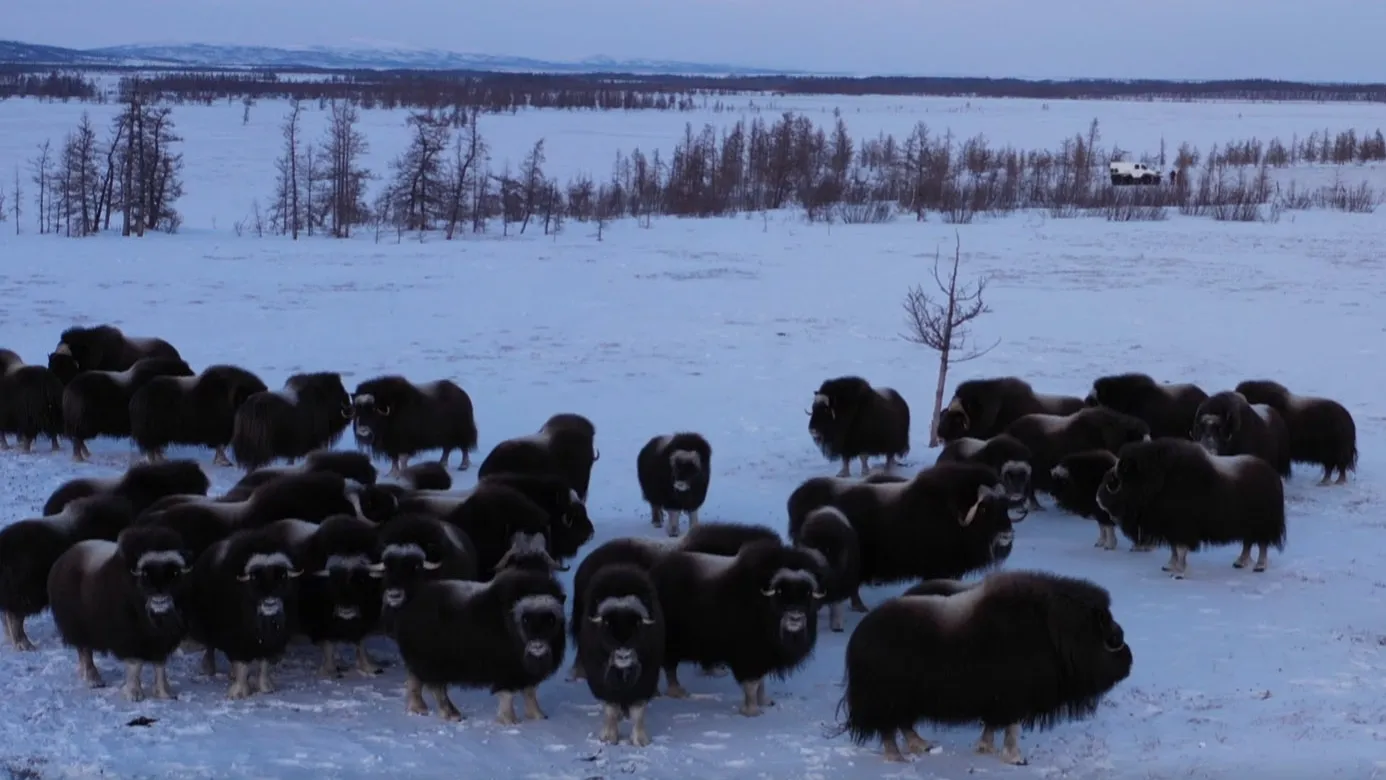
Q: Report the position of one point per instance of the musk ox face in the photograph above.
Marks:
(369, 415)
(1125, 485)
(792, 597)
(267, 585)
(403, 567)
(351, 580)
(622, 625)
(1213, 432)
(158, 576)
(991, 516)
(821, 419)
(686, 468)
(1097, 646)
(64, 365)
(954, 421)
(537, 626)
(1015, 479)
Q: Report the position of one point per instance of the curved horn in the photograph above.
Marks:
(243, 577)
(820, 594)
(380, 567)
(768, 592)
(348, 411)
(970, 516)
(383, 411)
(434, 565)
(295, 573)
(648, 621)
(595, 618)
(596, 454)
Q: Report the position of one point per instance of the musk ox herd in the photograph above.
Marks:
(324, 551)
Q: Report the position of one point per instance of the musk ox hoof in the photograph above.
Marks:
(610, 735)
(452, 715)
(639, 738)
(751, 710)
(238, 691)
(676, 691)
(133, 693)
(23, 643)
(1259, 568)
(507, 719)
(416, 707)
(1014, 758)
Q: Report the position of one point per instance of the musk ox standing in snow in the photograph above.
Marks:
(1226, 424)
(97, 403)
(340, 600)
(418, 548)
(637, 551)
(1074, 483)
(31, 403)
(622, 641)
(569, 526)
(1322, 430)
(1019, 649)
(851, 419)
(122, 598)
(1005, 454)
(1168, 409)
(982, 408)
(398, 419)
(196, 411)
(674, 471)
(563, 446)
(1050, 437)
(141, 485)
(103, 348)
(1173, 492)
(310, 412)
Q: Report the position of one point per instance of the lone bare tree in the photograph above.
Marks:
(941, 323)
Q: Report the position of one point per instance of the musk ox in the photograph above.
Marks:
(1168, 409)
(674, 472)
(570, 527)
(355, 466)
(398, 419)
(243, 600)
(491, 516)
(29, 548)
(563, 446)
(107, 348)
(622, 641)
(851, 419)
(310, 412)
(505, 635)
(418, 548)
(1074, 483)
(1005, 454)
(141, 485)
(340, 599)
(982, 408)
(1322, 430)
(1050, 437)
(636, 551)
(755, 613)
(1173, 492)
(1227, 424)
(1018, 649)
(424, 476)
(947, 521)
(31, 403)
(122, 598)
(195, 411)
(97, 403)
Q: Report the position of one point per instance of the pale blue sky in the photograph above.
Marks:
(1294, 39)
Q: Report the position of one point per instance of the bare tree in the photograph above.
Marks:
(3, 216)
(346, 179)
(41, 168)
(468, 155)
(942, 324)
(418, 193)
(532, 183)
(81, 180)
(16, 197)
(247, 101)
(286, 216)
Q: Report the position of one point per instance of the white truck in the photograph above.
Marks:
(1134, 173)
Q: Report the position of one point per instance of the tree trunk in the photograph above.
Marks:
(938, 397)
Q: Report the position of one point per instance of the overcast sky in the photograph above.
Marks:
(1294, 39)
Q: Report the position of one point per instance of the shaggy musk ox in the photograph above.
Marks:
(1005, 454)
(418, 548)
(1168, 409)
(1019, 649)
(122, 598)
(640, 552)
(1074, 483)
(29, 548)
(947, 521)
(1322, 430)
(1050, 437)
(355, 466)
(310, 412)
(622, 641)
(141, 485)
(97, 403)
(196, 411)
(492, 515)
(31, 403)
(1173, 492)
(563, 446)
(851, 419)
(340, 599)
(569, 525)
(103, 348)
(982, 408)
(505, 635)
(1226, 424)
(674, 472)
(398, 419)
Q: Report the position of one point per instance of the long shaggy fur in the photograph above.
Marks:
(1074, 483)
(569, 526)
(97, 403)
(982, 408)
(31, 402)
(1168, 408)
(107, 348)
(621, 640)
(1051, 437)
(195, 411)
(565, 446)
(1322, 430)
(354, 466)
(419, 548)
(141, 485)
(341, 590)
(398, 419)
(851, 419)
(309, 413)
(1005, 454)
(674, 471)
(1227, 424)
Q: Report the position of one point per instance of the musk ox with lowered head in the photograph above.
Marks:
(31, 403)
(355, 466)
(1168, 408)
(103, 348)
(398, 419)
(1322, 430)
(122, 598)
(196, 411)
(1050, 437)
(29, 548)
(310, 412)
(506, 635)
(622, 641)
(1227, 424)
(340, 599)
(564, 446)
(982, 408)
(1173, 492)
(419, 548)
(1074, 483)
(141, 485)
(97, 403)
(1005, 454)
(851, 419)
(1018, 649)
(674, 472)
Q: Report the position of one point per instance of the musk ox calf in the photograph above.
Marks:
(1322, 430)
(340, 600)
(141, 485)
(398, 419)
(1168, 408)
(1074, 484)
(622, 647)
(194, 411)
(354, 466)
(674, 472)
(1005, 454)
(1050, 437)
(564, 446)
(982, 408)
(310, 412)
(1226, 424)
(29, 548)
(122, 598)
(31, 403)
(97, 403)
(1018, 649)
(1173, 492)
(505, 635)
(851, 419)
(418, 548)
(103, 348)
